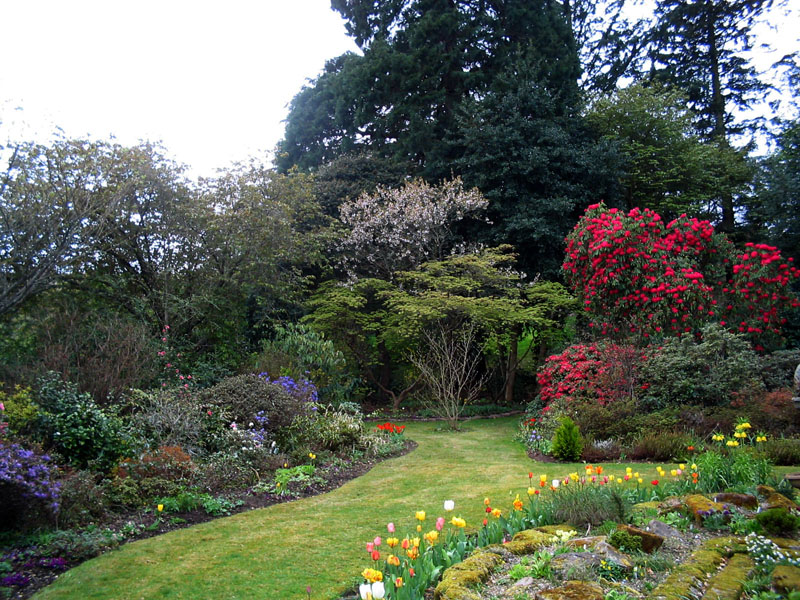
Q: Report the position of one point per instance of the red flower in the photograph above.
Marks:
(376, 555)
(654, 482)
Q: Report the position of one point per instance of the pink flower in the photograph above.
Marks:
(377, 541)
(390, 527)
(209, 413)
(370, 547)
(439, 523)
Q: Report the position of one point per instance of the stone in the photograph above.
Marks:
(518, 587)
(688, 577)
(613, 555)
(728, 583)
(650, 541)
(573, 590)
(457, 580)
(554, 529)
(662, 529)
(764, 490)
(528, 541)
(585, 542)
(699, 506)
(742, 500)
(776, 500)
(575, 564)
(786, 578)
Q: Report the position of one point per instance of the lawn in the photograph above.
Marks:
(275, 553)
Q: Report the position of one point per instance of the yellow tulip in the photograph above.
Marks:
(420, 515)
(531, 491)
(372, 575)
(458, 522)
(496, 512)
(431, 537)
(160, 507)
(682, 467)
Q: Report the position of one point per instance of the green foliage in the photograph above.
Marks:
(778, 521)
(740, 470)
(242, 397)
(536, 565)
(21, 412)
(76, 427)
(686, 371)
(324, 428)
(191, 500)
(622, 540)
(781, 451)
(587, 504)
(742, 525)
(567, 441)
(660, 445)
(302, 353)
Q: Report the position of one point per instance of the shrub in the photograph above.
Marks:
(567, 441)
(622, 540)
(240, 398)
(21, 412)
(777, 369)
(586, 504)
(168, 462)
(324, 428)
(27, 485)
(707, 372)
(82, 500)
(661, 446)
(599, 451)
(164, 418)
(78, 428)
(778, 521)
(782, 451)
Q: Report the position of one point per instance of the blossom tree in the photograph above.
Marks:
(398, 229)
(636, 275)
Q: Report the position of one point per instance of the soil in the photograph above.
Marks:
(42, 571)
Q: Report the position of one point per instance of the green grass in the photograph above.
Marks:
(319, 542)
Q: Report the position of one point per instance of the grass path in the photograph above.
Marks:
(274, 553)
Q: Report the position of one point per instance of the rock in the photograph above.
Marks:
(575, 564)
(456, 581)
(662, 529)
(786, 578)
(743, 500)
(650, 541)
(764, 490)
(776, 500)
(728, 583)
(725, 545)
(572, 590)
(700, 506)
(671, 504)
(554, 529)
(585, 542)
(518, 587)
(528, 541)
(613, 555)
(687, 577)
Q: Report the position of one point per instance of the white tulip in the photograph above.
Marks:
(449, 505)
(378, 591)
(365, 591)
(555, 483)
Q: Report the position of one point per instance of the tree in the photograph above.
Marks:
(399, 229)
(668, 167)
(699, 46)
(50, 202)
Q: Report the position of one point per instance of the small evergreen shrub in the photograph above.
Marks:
(581, 505)
(567, 441)
(661, 446)
(778, 521)
(782, 451)
(622, 540)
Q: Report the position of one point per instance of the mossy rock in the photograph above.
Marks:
(625, 589)
(725, 545)
(686, 580)
(728, 584)
(554, 529)
(742, 500)
(786, 543)
(475, 569)
(786, 578)
(645, 506)
(573, 590)
(697, 504)
(614, 555)
(650, 541)
(529, 541)
(586, 542)
(764, 491)
(776, 500)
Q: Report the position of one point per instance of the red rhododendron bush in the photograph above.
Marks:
(637, 275)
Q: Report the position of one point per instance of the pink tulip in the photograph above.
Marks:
(390, 527)
(377, 541)
(370, 547)
(439, 523)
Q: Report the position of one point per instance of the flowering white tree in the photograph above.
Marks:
(398, 229)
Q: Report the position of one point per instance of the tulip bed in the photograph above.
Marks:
(315, 547)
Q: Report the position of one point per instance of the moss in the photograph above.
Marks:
(650, 541)
(529, 541)
(573, 590)
(697, 504)
(728, 583)
(776, 500)
(726, 545)
(554, 529)
(471, 571)
(764, 491)
(688, 577)
(586, 542)
(645, 506)
(786, 578)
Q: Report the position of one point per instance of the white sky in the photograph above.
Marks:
(209, 79)
(212, 80)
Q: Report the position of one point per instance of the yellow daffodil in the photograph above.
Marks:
(420, 515)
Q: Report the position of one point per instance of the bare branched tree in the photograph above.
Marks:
(449, 364)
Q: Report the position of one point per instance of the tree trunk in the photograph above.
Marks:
(512, 363)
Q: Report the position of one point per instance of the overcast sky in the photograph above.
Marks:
(209, 79)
